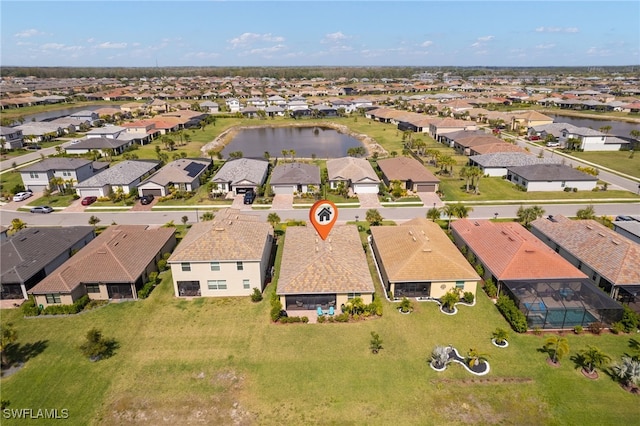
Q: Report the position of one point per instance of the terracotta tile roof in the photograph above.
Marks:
(230, 236)
(418, 250)
(497, 147)
(119, 254)
(475, 140)
(510, 252)
(613, 256)
(312, 265)
(405, 168)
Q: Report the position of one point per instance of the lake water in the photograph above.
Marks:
(306, 141)
(618, 128)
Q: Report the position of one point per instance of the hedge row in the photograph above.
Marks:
(516, 318)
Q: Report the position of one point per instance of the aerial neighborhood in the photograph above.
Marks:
(436, 143)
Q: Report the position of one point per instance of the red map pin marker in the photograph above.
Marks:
(323, 216)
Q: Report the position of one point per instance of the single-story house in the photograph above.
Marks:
(37, 176)
(114, 265)
(528, 119)
(210, 106)
(413, 175)
(417, 259)
(606, 257)
(228, 256)
(182, 174)
(101, 145)
(550, 177)
(496, 164)
(628, 228)
(316, 272)
(466, 144)
(591, 140)
(10, 137)
(38, 131)
(108, 132)
(240, 175)
(31, 254)
(125, 175)
(447, 125)
(355, 173)
(290, 178)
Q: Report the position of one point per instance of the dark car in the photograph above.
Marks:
(249, 196)
(147, 199)
(89, 200)
(41, 209)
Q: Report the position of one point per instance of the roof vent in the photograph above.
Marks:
(601, 234)
(426, 250)
(510, 239)
(218, 229)
(414, 239)
(476, 223)
(410, 232)
(615, 242)
(589, 227)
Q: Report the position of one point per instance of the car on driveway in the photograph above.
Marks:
(249, 196)
(21, 196)
(147, 199)
(89, 200)
(41, 209)
(551, 143)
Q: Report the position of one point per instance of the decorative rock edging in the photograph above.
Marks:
(455, 357)
(505, 345)
(455, 310)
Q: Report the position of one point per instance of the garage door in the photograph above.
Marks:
(154, 192)
(282, 190)
(244, 189)
(365, 189)
(90, 193)
(426, 187)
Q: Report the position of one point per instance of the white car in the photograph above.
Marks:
(21, 196)
(550, 144)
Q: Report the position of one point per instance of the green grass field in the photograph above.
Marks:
(208, 358)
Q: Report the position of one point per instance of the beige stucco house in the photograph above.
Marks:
(228, 256)
(417, 259)
(316, 272)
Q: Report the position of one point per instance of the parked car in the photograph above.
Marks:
(41, 209)
(89, 200)
(21, 196)
(33, 147)
(147, 199)
(249, 196)
(551, 143)
(534, 138)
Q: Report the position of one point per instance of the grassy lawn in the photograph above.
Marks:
(178, 358)
(617, 160)
(54, 200)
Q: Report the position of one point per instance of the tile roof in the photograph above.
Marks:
(295, 173)
(56, 164)
(29, 250)
(98, 143)
(613, 256)
(497, 147)
(184, 170)
(120, 254)
(405, 168)
(475, 140)
(311, 265)
(122, 173)
(418, 250)
(510, 252)
(230, 236)
(242, 170)
(549, 172)
(351, 168)
(505, 159)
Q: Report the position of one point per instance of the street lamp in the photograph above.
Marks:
(357, 217)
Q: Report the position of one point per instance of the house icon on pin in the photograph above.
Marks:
(324, 215)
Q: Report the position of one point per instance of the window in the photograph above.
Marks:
(246, 284)
(186, 267)
(33, 175)
(239, 266)
(53, 298)
(563, 184)
(215, 266)
(460, 284)
(217, 284)
(66, 174)
(353, 295)
(93, 288)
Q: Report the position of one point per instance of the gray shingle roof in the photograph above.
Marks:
(510, 159)
(295, 173)
(242, 170)
(31, 249)
(121, 174)
(56, 164)
(184, 170)
(98, 143)
(550, 172)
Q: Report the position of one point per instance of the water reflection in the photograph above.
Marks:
(305, 141)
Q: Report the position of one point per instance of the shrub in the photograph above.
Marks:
(344, 317)
(30, 309)
(375, 307)
(468, 297)
(162, 265)
(596, 327)
(630, 319)
(305, 320)
(256, 296)
(322, 319)
(146, 289)
(97, 346)
(617, 327)
(574, 189)
(74, 308)
(275, 313)
(153, 277)
(480, 270)
(578, 329)
(512, 314)
(490, 288)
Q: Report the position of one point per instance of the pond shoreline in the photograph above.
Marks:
(227, 136)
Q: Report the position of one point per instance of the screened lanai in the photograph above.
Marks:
(562, 304)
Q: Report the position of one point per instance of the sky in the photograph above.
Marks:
(319, 33)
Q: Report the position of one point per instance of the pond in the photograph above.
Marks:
(307, 142)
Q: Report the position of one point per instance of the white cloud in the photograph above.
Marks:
(91, 40)
(202, 55)
(52, 46)
(482, 41)
(247, 39)
(557, 30)
(337, 37)
(545, 46)
(427, 43)
(28, 33)
(486, 38)
(111, 45)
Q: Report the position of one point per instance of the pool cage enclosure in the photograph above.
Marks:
(562, 304)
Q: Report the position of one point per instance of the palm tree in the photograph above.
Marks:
(465, 173)
(475, 357)
(529, 214)
(374, 217)
(57, 182)
(557, 347)
(8, 335)
(292, 152)
(462, 211)
(17, 224)
(273, 219)
(628, 371)
(605, 129)
(449, 210)
(449, 299)
(592, 358)
(586, 213)
(94, 220)
(206, 216)
(500, 335)
(433, 213)
(635, 133)
(475, 173)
